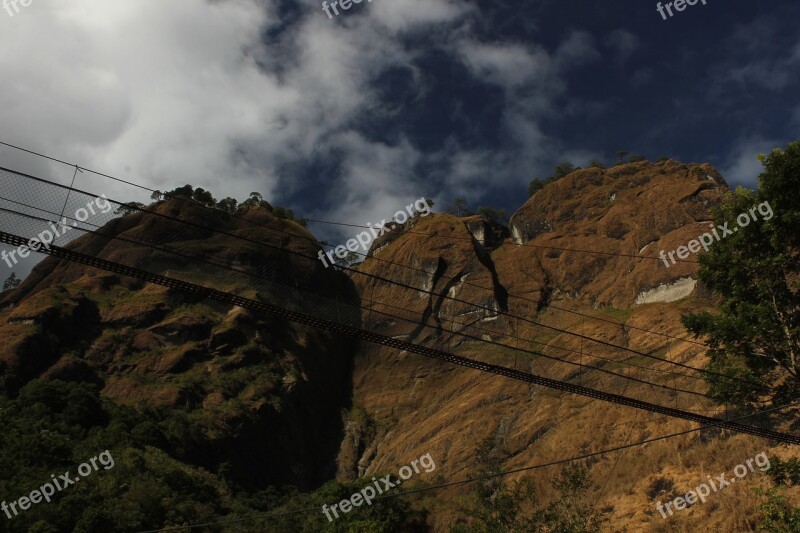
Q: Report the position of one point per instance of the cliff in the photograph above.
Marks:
(542, 269)
(263, 395)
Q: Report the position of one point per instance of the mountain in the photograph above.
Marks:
(406, 406)
(259, 403)
(265, 395)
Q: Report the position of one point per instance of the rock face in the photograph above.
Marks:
(264, 394)
(405, 405)
(636, 209)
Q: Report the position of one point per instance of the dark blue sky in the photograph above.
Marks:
(715, 83)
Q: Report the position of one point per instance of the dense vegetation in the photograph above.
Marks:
(755, 333)
(499, 506)
(755, 272)
(53, 426)
(204, 197)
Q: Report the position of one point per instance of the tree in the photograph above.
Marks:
(350, 259)
(186, 191)
(535, 186)
(594, 163)
(498, 506)
(202, 196)
(228, 205)
(661, 159)
(635, 158)
(256, 199)
(777, 514)
(128, 208)
(460, 205)
(494, 216)
(621, 155)
(12, 282)
(562, 169)
(755, 334)
(282, 213)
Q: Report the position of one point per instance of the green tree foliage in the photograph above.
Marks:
(777, 514)
(256, 199)
(498, 506)
(383, 516)
(535, 186)
(280, 212)
(186, 191)
(635, 158)
(784, 472)
(203, 197)
(562, 169)
(459, 208)
(594, 163)
(54, 426)
(350, 259)
(228, 205)
(755, 333)
(11, 282)
(495, 216)
(128, 208)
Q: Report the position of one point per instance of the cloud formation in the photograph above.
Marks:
(228, 96)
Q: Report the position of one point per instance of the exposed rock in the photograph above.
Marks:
(668, 292)
(423, 406)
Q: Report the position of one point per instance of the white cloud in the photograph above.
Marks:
(412, 15)
(741, 167)
(508, 65)
(761, 55)
(166, 93)
(623, 42)
(161, 90)
(577, 49)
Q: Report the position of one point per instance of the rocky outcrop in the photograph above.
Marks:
(421, 406)
(265, 395)
(667, 293)
(633, 210)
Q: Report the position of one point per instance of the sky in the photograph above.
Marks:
(350, 118)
